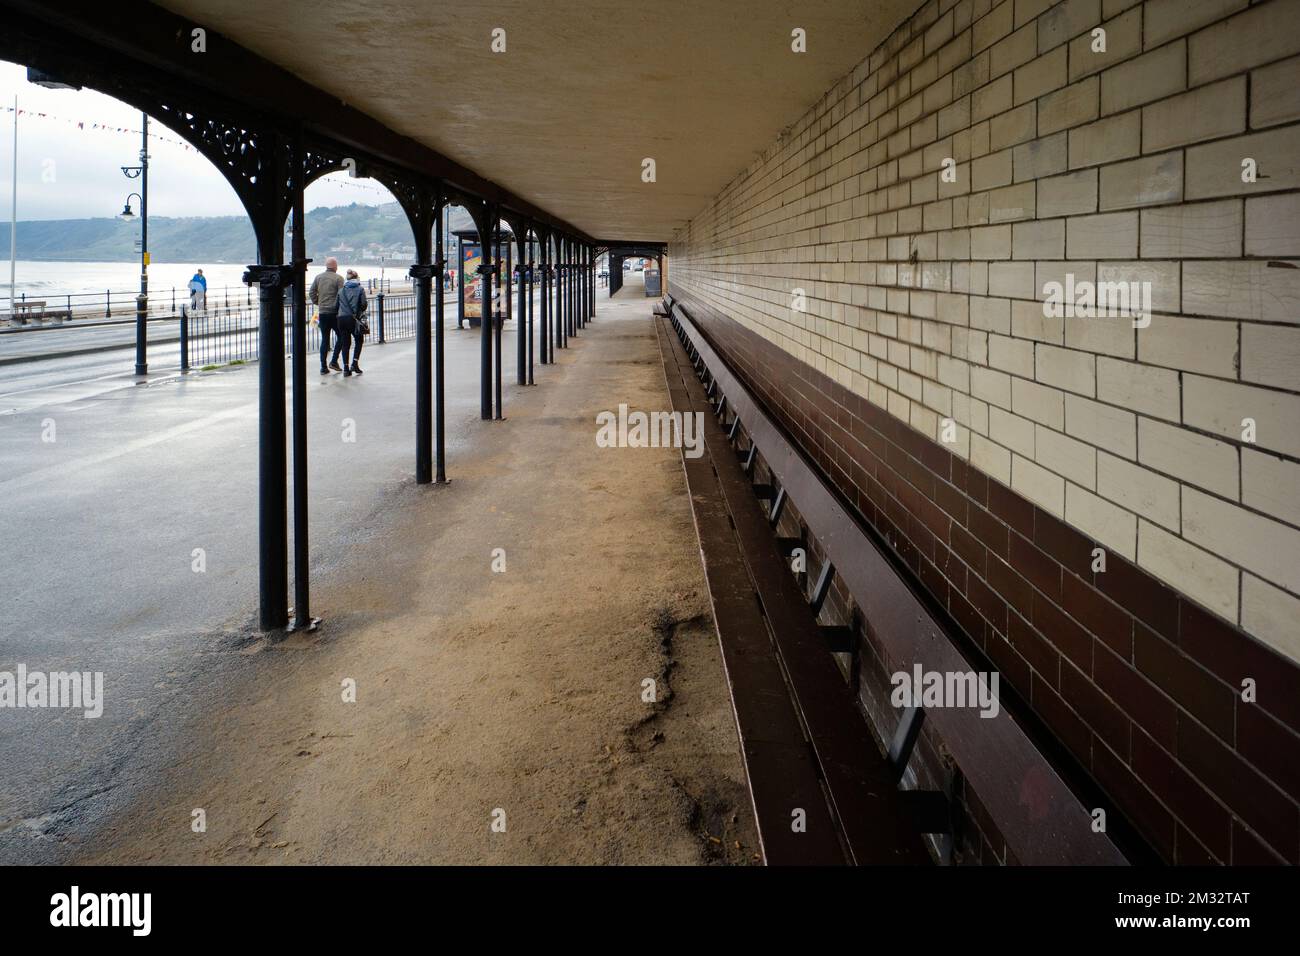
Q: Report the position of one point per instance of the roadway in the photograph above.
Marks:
(109, 485)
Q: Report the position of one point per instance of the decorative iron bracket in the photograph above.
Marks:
(269, 276)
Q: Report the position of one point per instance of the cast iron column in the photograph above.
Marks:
(496, 328)
(422, 272)
(566, 281)
(302, 618)
(532, 272)
(440, 409)
(485, 325)
(272, 503)
(544, 339)
(521, 325)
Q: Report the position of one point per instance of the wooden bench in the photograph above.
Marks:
(30, 310)
(809, 757)
(996, 755)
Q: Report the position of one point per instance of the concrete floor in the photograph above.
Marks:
(476, 691)
(633, 287)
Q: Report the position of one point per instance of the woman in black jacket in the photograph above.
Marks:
(352, 325)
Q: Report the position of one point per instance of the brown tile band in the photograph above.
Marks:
(1139, 682)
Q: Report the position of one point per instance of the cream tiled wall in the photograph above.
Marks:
(925, 296)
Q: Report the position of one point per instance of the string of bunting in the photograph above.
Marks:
(103, 127)
(109, 128)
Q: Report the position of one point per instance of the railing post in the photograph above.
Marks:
(108, 303)
(380, 317)
(185, 339)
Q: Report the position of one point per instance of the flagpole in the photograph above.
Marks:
(13, 222)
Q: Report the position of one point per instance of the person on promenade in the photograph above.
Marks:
(198, 292)
(352, 325)
(325, 296)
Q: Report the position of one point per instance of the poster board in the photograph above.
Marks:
(471, 257)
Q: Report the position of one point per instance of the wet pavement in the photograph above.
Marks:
(130, 546)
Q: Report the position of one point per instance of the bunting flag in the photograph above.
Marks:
(369, 186)
(102, 127)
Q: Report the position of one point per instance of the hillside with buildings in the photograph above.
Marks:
(358, 232)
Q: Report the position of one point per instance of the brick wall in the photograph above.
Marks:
(868, 300)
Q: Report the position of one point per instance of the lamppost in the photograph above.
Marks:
(141, 172)
(49, 82)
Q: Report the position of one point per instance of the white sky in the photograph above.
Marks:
(85, 165)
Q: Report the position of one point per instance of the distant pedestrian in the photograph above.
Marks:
(352, 325)
(198, 292)
(325, 296)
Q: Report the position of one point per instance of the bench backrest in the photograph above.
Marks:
(1041, 818)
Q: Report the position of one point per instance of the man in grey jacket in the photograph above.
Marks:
(325, 296)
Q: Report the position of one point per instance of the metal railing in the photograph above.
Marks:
(163, 302)
(225, 336)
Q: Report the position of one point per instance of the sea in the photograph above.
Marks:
(55, 281)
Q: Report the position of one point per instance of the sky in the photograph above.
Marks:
(69, 173)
